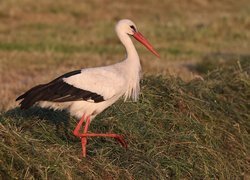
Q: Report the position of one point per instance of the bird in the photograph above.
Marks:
(85, 93)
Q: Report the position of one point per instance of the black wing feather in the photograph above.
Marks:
(57, 91)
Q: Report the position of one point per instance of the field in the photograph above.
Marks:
(192, 120)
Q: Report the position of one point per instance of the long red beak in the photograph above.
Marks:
(139, 37)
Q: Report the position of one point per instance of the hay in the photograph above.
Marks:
(198, 129)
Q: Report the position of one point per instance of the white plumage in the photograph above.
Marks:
(111, 82)
(87, 92)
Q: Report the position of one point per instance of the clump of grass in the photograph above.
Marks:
(222, 60)
(198, 129)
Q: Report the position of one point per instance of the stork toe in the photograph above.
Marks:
(122, 141)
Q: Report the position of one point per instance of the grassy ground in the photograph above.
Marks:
(179, 128)
(198, 129)
(40, 40)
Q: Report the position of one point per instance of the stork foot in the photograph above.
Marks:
(122, 141)
(118, 137)
(83, 136)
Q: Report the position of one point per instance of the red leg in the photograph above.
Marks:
(84, 136)
(77, 133)
(78, 126)
(84, 139)
(118, 137)
(86, 125)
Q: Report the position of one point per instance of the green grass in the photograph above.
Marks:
(215, 60)
(198, 129)
(58, 48)
(178, 27)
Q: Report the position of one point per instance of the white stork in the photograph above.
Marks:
(87, 92)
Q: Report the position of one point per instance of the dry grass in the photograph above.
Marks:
(197, 129)
(39, 41)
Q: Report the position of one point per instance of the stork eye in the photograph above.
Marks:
(133, 27)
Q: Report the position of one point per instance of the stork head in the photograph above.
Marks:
(127, 26)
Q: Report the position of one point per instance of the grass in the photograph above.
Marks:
(197, 129)
(192, 120)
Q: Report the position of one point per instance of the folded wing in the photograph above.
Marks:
(93, 85)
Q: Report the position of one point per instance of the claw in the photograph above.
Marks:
(122, 141)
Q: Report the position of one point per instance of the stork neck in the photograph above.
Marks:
(129, 46)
